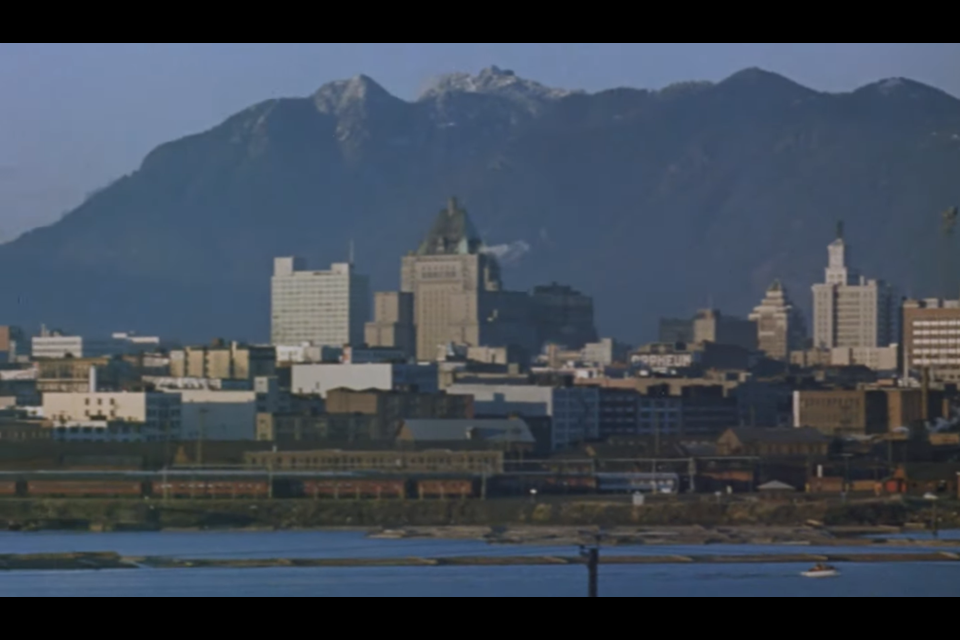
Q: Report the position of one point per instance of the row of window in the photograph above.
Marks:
(955, 333)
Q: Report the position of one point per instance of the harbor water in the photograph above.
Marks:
(726, 580)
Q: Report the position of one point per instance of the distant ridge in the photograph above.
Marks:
(652, 201)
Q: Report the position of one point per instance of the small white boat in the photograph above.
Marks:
(821, 571)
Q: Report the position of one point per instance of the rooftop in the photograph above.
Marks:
(805, 435)
(508, 431)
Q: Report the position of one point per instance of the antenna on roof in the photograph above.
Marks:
(350, 258)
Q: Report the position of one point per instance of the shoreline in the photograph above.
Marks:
(114, 561)
(671, 536)
(621, 537)
(746, 521)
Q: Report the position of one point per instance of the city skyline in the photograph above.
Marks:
(345, 319)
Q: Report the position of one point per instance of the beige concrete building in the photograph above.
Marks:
(458, 294)
(393, 322)
(868, 411)
(81, 375)
(157, 412)
(709, 325)
(877, 358)
(842, 412)
(391, 408)
(12, 342)
(322, 308)
(781, 328)
(907, 406)
(223, 362)
(931, 339)
(881, 359)
(812, 358)
(850, 311)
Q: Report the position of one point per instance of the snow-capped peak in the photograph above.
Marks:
(334, 97)
(496, 81)
(890, 85)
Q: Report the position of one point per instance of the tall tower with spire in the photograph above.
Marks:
(850, 311)
(837, 270)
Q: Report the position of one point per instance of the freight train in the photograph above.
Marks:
(248, 489)
(207, 485)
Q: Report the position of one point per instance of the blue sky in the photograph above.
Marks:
(75, 116)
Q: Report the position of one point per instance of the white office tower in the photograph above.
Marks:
(323, 308)
(850, 311)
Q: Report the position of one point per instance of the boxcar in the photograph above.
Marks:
(354, 489)
(228, 489)
(566, 484)
(84, 489)
(8, 489)
(446, 489)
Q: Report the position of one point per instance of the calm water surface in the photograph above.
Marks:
(893, 580)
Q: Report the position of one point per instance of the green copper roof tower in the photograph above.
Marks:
(452, 233)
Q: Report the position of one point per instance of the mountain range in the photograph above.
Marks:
(654, 202)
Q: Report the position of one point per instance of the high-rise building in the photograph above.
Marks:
(323, 308)
(12, 343)
(931, 339)
(392, 324)
(851, 311)
(709, 325)
(674, 330)
(780, 326)
(564, 316)
(458, 294)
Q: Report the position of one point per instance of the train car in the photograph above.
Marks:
(543, 483)
(446, 489)
(9, 489)
(567, 484)
(354, 489)
(217, 489)
(84, 489)
(659, 483)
